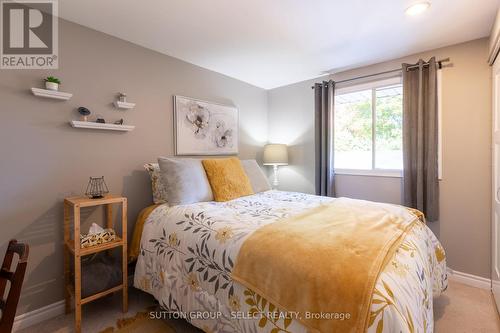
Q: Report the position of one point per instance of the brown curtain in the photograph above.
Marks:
(324, 101)
(420, 138)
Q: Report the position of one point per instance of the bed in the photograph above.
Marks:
(187, 254)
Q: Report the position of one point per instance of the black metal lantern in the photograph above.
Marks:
(96, 188)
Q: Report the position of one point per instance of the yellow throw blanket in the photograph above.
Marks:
(135, 244)
(324, 263)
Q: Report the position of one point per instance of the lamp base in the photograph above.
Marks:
(275, 179)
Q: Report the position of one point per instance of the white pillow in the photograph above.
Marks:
(185, 180)
(257, 177)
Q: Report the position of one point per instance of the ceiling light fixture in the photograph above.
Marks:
(417, 8)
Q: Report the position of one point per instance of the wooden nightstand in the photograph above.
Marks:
(72, 247)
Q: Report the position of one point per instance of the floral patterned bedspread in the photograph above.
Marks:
(188, 252)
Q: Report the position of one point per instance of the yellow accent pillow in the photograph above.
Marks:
(227, 178)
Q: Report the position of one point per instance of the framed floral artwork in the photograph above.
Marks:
(204, 128)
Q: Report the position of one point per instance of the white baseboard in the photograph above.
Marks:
(36, 316)
(469, 279)
(47, 312)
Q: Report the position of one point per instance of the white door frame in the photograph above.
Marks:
(495, 211)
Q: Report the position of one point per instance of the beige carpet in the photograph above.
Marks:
(460, 309)
(465, 309)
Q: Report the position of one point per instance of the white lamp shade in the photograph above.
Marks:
(275, 154)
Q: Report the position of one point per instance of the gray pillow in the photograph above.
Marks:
(185, 180)
(257, 177)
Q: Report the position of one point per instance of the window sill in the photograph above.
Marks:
(371, 173)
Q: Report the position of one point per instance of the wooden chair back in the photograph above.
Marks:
(8, 305)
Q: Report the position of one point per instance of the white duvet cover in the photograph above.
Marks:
(188, 252)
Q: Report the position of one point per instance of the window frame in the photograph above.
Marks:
(372, 85)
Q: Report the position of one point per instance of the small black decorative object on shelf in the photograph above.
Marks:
(96, 188)
(119, 122)
(100, 121)
(84, 112)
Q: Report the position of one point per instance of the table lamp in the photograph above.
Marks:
(275, 155)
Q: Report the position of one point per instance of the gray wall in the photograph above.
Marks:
(44, 160)
(464, 226)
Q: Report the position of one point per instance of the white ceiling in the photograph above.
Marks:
(270, 43)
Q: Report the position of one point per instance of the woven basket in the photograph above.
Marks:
(108, 235)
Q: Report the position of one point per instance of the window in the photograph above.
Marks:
(368, 128)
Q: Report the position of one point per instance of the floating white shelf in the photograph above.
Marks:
(124, 105)
(51, 94)
(100, 126)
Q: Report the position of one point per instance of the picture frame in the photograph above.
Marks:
(205, 128)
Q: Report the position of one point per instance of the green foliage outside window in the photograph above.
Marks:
(353, 124)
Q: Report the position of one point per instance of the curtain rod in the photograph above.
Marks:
(439, 62)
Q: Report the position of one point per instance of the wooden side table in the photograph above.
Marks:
(72, 247)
